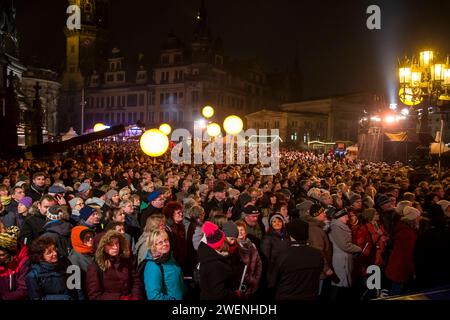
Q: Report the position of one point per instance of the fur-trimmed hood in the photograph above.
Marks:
(102, 259)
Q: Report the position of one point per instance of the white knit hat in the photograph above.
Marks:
(410, 213)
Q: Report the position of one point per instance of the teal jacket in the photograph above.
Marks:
(173, 278)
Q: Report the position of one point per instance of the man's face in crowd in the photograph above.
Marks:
(170, 182)
(387, 206)
(44, 205)
(94, 218)
(357, 205)
(39, 181)
(158, 202)
(252, 219)
(220, 195)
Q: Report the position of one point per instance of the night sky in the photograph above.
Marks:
(337, 53)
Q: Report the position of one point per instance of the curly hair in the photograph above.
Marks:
(38, 247)
(102, 259)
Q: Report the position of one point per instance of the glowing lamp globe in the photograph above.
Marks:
(154, 142)
(233, 125)
(99, 127)
(208, 112)
(213, 129)
(410, 96)
(165, 128)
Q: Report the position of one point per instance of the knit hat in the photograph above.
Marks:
(230, 229)
(5, 200)
(305, 205)
(330, 211)
(84, 187)
(153, 195)
(340, 213)
(286, 192)
(315, 209)
(381, 199)
(76, 238)
(444, 205)
(8, 239)
(277, 216)
(55, 213)
(56, 188)
(214, 236)
(20, 183)
(410, 213)
(111, 193)
(298, 229)
(86, 212)
(27, 202)
(251, 210)
(354, 197)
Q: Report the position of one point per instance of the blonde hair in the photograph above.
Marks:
(151, 239)
(153, 222)
(123, 191)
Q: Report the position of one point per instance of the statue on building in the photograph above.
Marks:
(8, 29)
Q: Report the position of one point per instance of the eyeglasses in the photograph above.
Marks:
(162, 242)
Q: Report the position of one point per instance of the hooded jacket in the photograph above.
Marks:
(80, 255)
(59, 230)
(216, 275)
(32, 228)
(12, 277)
(118, 282)
(173, 287)
(250, 256)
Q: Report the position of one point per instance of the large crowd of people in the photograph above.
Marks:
(137, 228)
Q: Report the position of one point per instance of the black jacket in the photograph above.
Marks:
(214, 203)
(296, 273)
(34, 192)
(216, 277)
(147, 212)
(32, 227)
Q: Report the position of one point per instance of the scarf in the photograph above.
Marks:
(40, 190)
(77, 242)
(5, 200)
(160, 259)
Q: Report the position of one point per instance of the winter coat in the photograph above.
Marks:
(343, 249)
(318, 239)
(132, 227)
(13, 219)
(191, 254)
(216, 276)
(171, 288)
(379, 239)
(118, 282)
(179, 244)
(197, 237)
(59, 230)
(12, 277)
(296, 274)
(32, 227)
(250, 256)
(34, 192)
(361, 237)
(81, 260)
(213, 203)
(272, 245)
(400, 267)
(47, 281)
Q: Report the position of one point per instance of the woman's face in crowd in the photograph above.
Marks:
(242, 233)
(273, 199)
(162, 244)
(115, 198)
(120, 216)
(113, 248)
(88, 239)
(376, 216)
(277, 224)
(284, 211)
(120, 229)
(21, 209)
(50, 255)
(178, 216)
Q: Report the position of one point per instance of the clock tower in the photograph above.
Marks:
(85, 50)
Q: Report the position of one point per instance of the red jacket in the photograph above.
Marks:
(379, 239)
(12, 277)
(120, 282)
(400, 266)
(361, 237)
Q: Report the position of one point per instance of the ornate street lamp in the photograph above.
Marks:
(423, 83)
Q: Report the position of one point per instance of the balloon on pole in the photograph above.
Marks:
(213, 129)
(165, 128)
(208, 112)
(233, 125)
(99, 127)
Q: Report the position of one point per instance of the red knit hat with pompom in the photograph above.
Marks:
(214, 236)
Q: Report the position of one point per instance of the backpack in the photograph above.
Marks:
(140, 270)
